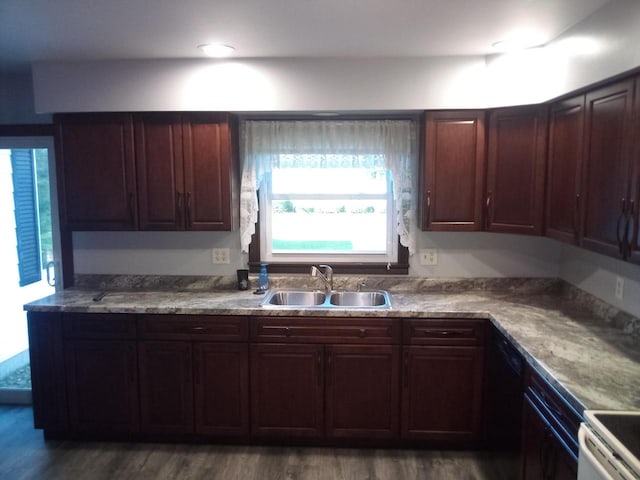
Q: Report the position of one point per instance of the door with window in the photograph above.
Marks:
(29, 250)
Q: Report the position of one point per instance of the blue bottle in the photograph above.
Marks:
(263, 278)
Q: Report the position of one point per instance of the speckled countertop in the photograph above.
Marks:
(586, 352)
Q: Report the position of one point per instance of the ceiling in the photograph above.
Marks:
(76, 30)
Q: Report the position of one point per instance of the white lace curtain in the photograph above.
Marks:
(268, 144)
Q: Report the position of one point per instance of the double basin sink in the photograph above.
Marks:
(333, 299)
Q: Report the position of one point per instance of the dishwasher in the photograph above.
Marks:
(505, 393)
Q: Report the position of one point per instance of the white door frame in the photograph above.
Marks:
(48, 143)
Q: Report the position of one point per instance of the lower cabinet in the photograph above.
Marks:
(442, 393)
(289, 377)
(166, 387)
(443, 380)
(318, 390)
(550, 433)
(102, 385)
(221, 375)
(544, 456)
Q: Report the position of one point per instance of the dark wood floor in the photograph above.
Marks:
(25, 455)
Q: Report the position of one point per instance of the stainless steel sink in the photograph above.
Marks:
(294, 298)
(334, 300)
(360, 299)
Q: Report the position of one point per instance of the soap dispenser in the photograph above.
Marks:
(263, 278)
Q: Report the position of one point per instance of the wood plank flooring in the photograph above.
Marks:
(24, 454)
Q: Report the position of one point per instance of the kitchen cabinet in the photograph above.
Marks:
(333, 377)
(633, 232)
(610, 203)
(166, 387)
(550, 433)
(46, 358)
(443, 378)
(194, 374)
(101, 373)
(185, 169)
(564, 184)
(544, 456)
(453, 168)
(516, 170)
(96, 171)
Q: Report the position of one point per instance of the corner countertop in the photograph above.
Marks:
(591, 362)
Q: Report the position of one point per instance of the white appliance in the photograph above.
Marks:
(609, 445)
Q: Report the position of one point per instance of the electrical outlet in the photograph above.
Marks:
(221, 255)
(428, 256)
(619, 288)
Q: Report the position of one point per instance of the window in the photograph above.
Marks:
(330, 191)
(331, 214)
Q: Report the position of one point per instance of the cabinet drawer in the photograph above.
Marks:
(185, 327)
(326, 330)
(99, 325)
(448, 331)
(562, 416)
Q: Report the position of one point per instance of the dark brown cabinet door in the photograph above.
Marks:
(362, 386)
(453, 171)
(442, 393)
(543, 456)
(159, 166)
(516, 170)
(96, 171)
(607, 168)
(48, 390)
(564, 189)
(221, 388)
(166, 387)
(208, 171)
(102, 385)
(286, 390)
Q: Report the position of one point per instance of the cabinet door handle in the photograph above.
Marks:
(576, 219)
(428, 207)
(623, 208)
(179, 209)
(319, 366)
(328, 374)
(287, 332)
(488, 209)
(198, 329)
(362, 332)
(189, 213)
(628, 229)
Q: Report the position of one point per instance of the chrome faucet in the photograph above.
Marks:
(326, 277)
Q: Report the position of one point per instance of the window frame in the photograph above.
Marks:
(266, 196)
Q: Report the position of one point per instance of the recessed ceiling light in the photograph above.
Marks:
(216, 50)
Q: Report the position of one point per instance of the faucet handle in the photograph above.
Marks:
(361, 285)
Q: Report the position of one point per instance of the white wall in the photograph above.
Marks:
(260, 84)
(16, 100)
(597, 275)
(189, 253)
(609, 47)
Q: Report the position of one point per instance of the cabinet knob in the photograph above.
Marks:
(287, 331)
(362, 332)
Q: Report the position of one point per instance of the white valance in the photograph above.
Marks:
(390, 144)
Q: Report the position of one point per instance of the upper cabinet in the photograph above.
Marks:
(564, 189)
(516, 169)
(609, 204)
(633, 233)
(185, 171)
(150, 171)
(96, 171)
(453, 170)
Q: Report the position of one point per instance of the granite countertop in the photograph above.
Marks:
(593, 363)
